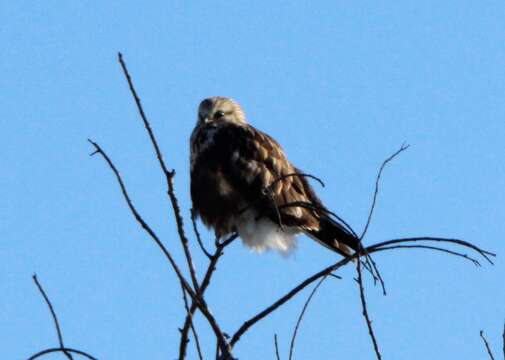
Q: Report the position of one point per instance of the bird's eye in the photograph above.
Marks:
(219, 115)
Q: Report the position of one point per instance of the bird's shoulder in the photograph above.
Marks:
(249, 143)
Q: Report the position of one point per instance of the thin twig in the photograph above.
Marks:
(193, 330)
(503, 341)
(335, 276)
(281, 301)
(203, 286)
(197, 234)
(370, 249)
(365, 310)
(277, 355)
(377, 275)
(484, 253)
(435, 248)
(489, 352)
(169, 175)
(377, 180)
(228, 241)
(295, 331)
(53, 314)
(194, 296)
(143, 115)
(369, 258)
(63, 350)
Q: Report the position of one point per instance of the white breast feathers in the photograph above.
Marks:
(263, 234)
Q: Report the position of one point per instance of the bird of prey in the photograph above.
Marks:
(241, 181)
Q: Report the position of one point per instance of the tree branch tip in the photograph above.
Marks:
(92, 143)
(96, 146)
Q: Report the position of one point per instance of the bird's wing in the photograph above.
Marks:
(257, 167)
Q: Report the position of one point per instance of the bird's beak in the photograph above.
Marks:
(207, 120)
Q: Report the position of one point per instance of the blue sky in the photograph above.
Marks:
(341, 85)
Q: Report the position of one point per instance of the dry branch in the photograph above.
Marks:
(489, 352)
(503, 341)
(193, 330)
(203, 286)
(368, 257)
(300, 317)
(59, 350)
(200, 303)
(62, 349)
(55, 318)
(169, 174)
(365, 311)
(277, 355)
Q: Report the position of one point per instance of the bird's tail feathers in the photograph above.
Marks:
(335, 236)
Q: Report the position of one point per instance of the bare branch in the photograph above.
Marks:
(365, 310)
(55, 318)
(377, 181)
(369, 258)
(228, 241)
(138, 217)
(197, 234)
(144, 118)
(503, 340)
(295, 331)
(277, 355)
(195, 296)
(435, 248)
(203, 286)
(370, 249)
(65, 350)
(169, 175)
(193, 330)
(374, 270)
(281, 301)
(489, 352)
(484, 253)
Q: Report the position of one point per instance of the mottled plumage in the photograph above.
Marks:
(242, 181)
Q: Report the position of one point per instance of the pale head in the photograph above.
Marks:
(218, 110)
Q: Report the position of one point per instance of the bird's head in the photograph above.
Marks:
(220, 110)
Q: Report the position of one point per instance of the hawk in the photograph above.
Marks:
(242, 181)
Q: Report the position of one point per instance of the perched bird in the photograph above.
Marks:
(241, 181)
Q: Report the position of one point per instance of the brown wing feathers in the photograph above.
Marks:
(259, 167)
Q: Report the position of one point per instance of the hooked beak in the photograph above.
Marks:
(209, 122)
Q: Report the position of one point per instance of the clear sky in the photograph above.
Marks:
(341, 85)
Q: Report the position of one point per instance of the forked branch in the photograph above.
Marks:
(196, 298)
